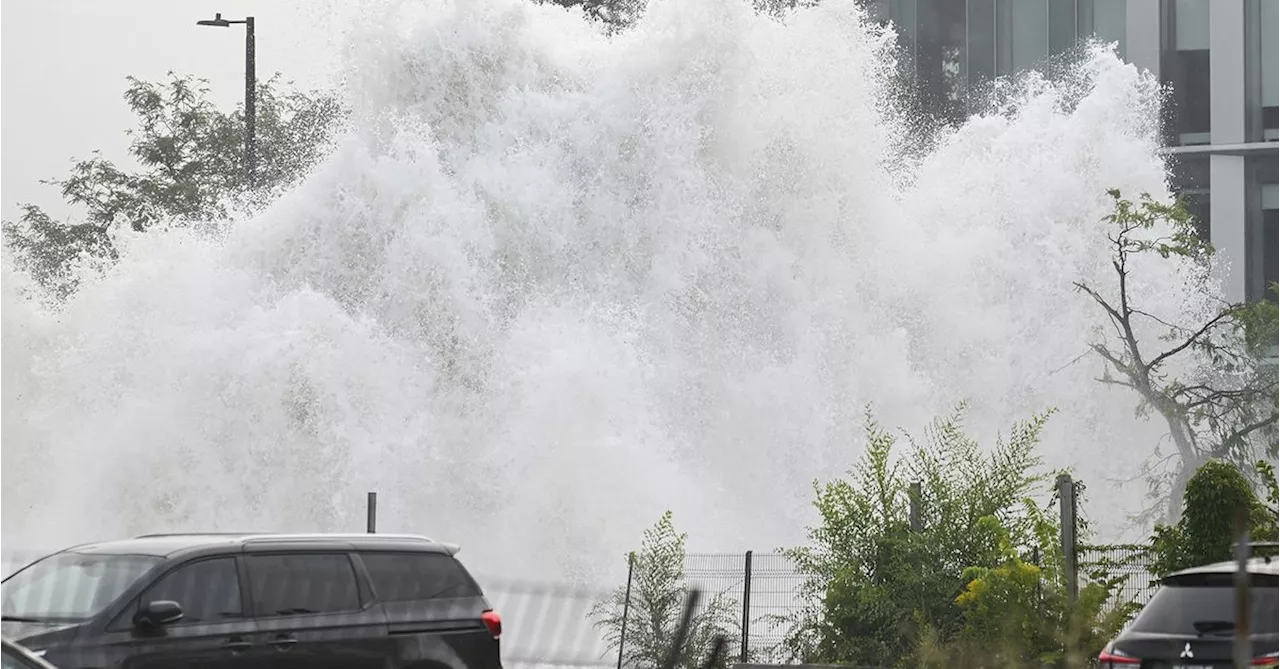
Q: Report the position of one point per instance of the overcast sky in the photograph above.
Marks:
(65, 62)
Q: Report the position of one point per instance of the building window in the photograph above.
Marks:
(1190, 180)
(981, 29)
(1106, 22)
(1270, 240)
(940, 57)
(1023, 34)
(1185, 68)
(1270, 66)
(1261, 239)
(1062, 25)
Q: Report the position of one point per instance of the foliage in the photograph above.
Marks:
(1019, 614)
(657, 604)
(52, 252)
(1214, 496)
(614, 16)
(874, 583)
(190, 157)
(1227, 409)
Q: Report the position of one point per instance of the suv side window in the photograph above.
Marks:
(207, 590)
(303, 583)
(401, 577)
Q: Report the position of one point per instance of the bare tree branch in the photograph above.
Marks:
(1222, 407)
(1193, 339)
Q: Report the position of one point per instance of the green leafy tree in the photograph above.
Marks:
(1206, 531)
(873, 582)
(190, 157)
(658, 595)
(1228, 409)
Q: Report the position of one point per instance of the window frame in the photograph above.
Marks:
(373, 584)
(123, 620)
(363, 593)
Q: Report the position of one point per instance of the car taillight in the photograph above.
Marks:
(1110, 658)
(1270, 660)
(493, 621)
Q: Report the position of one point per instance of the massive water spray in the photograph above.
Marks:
(550, 284)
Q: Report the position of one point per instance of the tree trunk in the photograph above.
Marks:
(1189, 461)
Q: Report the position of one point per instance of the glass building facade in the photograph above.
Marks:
(1219, 59)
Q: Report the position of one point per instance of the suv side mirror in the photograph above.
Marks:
(157, 614)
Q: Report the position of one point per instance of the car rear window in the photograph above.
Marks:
(1207, 606)
(401, 577)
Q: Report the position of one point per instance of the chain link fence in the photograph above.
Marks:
(1130, 563)
(764, 589)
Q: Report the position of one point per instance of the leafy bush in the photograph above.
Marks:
(1205, 533)
(872, 580)
(1018, 613)
(978, 582)
(657, 604)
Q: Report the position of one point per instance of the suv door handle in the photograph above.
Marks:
(236, 644)
(283, 642)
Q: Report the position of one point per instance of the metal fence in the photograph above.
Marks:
(761, 589)
(766, 590)
(548, 624)
(1131, 563)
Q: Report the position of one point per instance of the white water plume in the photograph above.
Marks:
(551, 284)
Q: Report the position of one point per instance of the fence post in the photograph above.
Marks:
(1035, 560)
(746, 609)
(913, 497)
(1067, 505)
(626, 607)
(371, 522)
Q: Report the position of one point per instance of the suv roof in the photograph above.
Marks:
(166, 545)
(1266, 565)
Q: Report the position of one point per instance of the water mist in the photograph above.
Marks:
(550, 284)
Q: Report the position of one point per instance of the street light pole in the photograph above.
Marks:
(250, 92)
(250, 104)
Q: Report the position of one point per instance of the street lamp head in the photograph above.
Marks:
(217, 22)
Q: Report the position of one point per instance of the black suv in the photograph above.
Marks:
(1190, 621)
(260, 601)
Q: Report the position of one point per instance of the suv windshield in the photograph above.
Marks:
(68, 587)
(1206, 607)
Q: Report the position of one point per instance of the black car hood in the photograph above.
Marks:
(18, 632)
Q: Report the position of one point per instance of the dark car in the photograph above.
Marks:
(260, 601)
(17, 657)
(1190, 621)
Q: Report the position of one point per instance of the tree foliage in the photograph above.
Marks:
(190, 166)
(977, 582)
(1228, 407)
(614, 16)
(1205, 533)
(659, 592)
